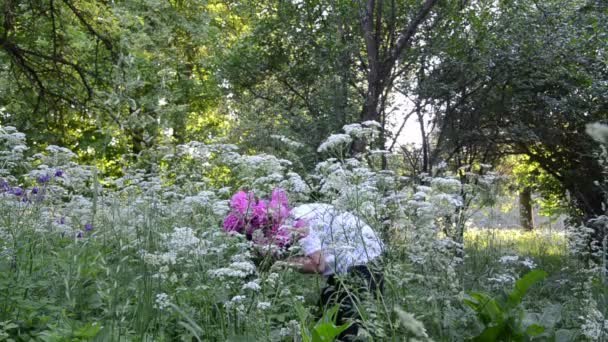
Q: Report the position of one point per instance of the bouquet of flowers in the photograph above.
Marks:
(265, 222)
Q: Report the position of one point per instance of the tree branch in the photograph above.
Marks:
(404, 40)
(106, 41)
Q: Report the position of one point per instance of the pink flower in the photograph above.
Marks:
(261, 221)
(281, 237)
(259, 217)
(233, 223)
(279, 196)
(300, 224)
(279, 206)
(240, 201)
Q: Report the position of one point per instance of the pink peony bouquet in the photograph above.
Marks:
(264, 222)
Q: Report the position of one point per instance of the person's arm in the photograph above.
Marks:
(313, 263)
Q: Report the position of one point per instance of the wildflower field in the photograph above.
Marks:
(145, 257)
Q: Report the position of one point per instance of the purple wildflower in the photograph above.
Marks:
(250, 216)
(240, 202)
(281, 236)
(88, 227)
(35, 190)
(279, 206)
(58, 173)
(80, 235)
(259, 216)
(17, 191)
(4, 186)
(279, 197)
(233, 223)
(43, 179)
(61, 220)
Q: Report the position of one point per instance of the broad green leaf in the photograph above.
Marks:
(551, 315)
(529, 319)
(522, 285)
(490, 334)
(534, 330)
(327, 332)
(486, 307)
(565, 335)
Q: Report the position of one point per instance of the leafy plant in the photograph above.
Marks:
(503, 318)
(325, 329)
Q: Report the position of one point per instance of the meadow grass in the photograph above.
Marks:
(59, 287)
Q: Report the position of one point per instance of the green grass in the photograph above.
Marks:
(61, 288)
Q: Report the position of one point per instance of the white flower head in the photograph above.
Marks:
(508, 259)
(253, 286)
(263, 305)
(162, 301)
(335, 141)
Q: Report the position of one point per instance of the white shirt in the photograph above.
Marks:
(343, 238)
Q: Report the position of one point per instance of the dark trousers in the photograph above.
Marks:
(348, 291)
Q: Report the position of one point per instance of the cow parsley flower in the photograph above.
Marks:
(502, 279)
(238, 298)
(527, 262)
(264, 305)
(162, 301)
(335, 141)
(508, 259)
(253, 286)
(288, 142)
(182, 240)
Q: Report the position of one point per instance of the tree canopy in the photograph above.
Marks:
(485, 79)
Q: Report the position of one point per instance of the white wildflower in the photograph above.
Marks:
(264, 305)
(594, 326)
(272, 279)
(355, 130)
(239, 269)
(173, 278)
(527, 262)
(252, 285)
(238, 298)
(507, 259)
(372, 123)
(598, 131)
(220, 208)
(162, 301)
(182, 240)
(288, 142)
(411, 324)
(503, 279)
(335, 141)
(423, 188)
(419, 196)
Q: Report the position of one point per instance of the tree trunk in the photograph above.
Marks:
(526, 218)
(382, 55)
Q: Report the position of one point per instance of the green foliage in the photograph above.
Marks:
(535, 69)
(503, 318)
(110, 79)
(323, 330)
(528, 173)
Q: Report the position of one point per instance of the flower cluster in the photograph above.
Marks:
(35, 193)
(263, 222)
